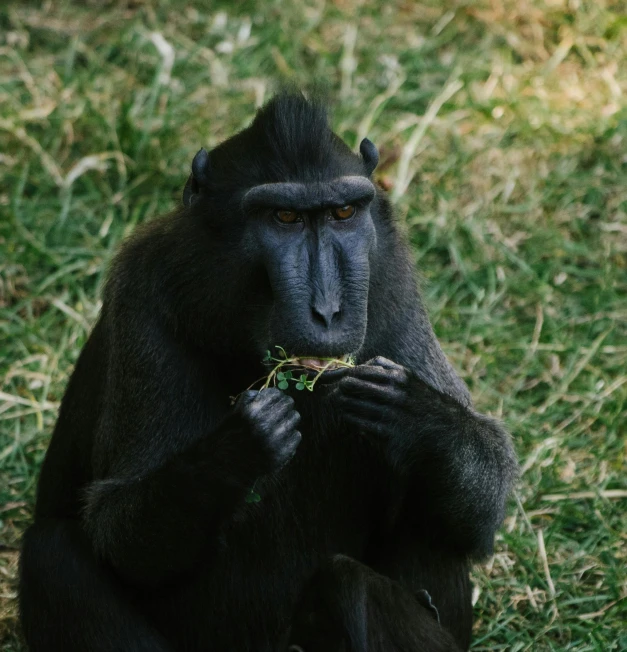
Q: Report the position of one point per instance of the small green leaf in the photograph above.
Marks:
(288, 375)
(280, 376)
(268, 357)
(300, 386)
(303, 378)
(253, 497)
(283, 384)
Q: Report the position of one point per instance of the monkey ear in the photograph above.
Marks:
(198, 178)
(369, 154)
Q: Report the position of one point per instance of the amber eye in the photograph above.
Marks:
(287, 217)
(344, 212)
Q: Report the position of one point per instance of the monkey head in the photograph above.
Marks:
(295, 208)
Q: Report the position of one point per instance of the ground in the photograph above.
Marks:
(502, 126)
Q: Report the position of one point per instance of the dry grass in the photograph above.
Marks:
(503, 132)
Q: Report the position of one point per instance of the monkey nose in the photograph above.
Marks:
(325, 312)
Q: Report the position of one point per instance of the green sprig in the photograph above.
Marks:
(281, 377)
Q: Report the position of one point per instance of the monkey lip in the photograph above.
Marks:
(319, 364)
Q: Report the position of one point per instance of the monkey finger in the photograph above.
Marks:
(334, 375)
(288, 422)
(282, 421)
(361, 407)
(380, 376)
(273, 397)
(247, 396)
(358, 384)
(274, 394)
(279, 412)
(385, 395)
(290, 444)
(333, 394)
(385, 363)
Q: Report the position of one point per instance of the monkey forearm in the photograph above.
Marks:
(148, 535)
(154, 526)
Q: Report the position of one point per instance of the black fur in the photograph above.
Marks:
(347, 607)
(143, 538)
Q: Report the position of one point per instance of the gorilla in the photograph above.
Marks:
(374, 492)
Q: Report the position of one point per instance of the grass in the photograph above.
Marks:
(502, 126)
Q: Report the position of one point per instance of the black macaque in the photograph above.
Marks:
(143, 538)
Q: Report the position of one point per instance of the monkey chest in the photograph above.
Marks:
(325, 501)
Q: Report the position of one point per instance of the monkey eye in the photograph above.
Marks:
(344, 212)
(287, 217)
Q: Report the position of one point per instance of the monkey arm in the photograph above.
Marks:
(460, 467)
(171, 462)
(151, 526)
(456, 466)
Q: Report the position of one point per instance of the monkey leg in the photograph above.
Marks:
(437, 576)
(347, 607)
(69, 603)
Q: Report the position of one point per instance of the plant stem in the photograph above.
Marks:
(313, 382)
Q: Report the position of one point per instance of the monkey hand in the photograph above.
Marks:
(375, 396)
(269, 423)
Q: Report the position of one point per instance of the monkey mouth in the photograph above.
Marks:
(323, 364)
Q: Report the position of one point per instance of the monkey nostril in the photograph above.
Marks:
(325, 315)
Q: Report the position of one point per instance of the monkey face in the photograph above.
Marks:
(314, 241)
